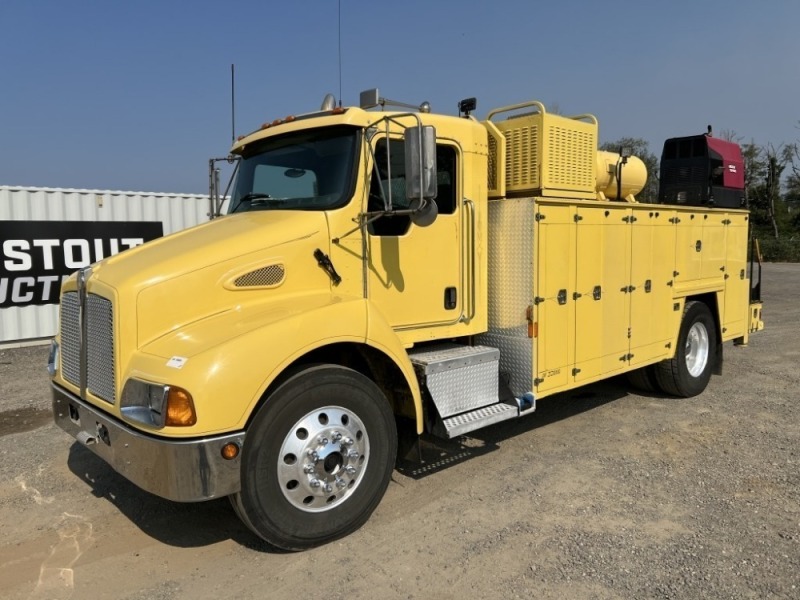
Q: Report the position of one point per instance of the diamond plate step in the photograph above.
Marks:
(482, 417)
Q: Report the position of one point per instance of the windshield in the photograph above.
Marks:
(304, 170)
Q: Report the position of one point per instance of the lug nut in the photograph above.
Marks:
(328, 488)
(337, 436)
(350, 470)
(309, 468)
(314, 483)
(347, 441)
(322, 441)
(340, 483)
(353, 454)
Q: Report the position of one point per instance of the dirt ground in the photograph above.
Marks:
(603, 493)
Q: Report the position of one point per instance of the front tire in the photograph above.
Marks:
(689, 371)
(317, 458)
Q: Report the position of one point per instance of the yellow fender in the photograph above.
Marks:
(249, 349)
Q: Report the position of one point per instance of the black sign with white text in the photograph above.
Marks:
(35, 256)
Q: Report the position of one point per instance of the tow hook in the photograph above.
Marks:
(101, 435)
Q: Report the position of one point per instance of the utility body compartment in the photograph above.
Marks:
(600, 286)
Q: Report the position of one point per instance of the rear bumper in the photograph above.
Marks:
(180, 470)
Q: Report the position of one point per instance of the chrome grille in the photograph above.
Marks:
(71, 338)
(100, 347)
(99, 368)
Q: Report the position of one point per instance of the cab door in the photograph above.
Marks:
(415, 273)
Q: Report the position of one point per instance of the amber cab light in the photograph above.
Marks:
(180, 408)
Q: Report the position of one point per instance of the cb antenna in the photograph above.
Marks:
(233, 108)
(340, 53)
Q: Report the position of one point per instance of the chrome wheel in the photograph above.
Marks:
(317, 458)
(323, 459)
(688, 372)
(697, 348)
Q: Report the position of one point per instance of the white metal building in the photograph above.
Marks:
(24, 210)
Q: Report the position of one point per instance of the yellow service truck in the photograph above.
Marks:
(377, 267)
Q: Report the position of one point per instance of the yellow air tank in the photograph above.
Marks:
(634, 176)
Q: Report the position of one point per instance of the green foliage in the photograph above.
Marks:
(641, 149)
(780, 250)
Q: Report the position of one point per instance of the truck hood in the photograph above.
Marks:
(229, 264)
(206, 245)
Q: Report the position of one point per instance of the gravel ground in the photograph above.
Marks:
(603, 493)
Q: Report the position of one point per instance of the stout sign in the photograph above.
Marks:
(35, 256)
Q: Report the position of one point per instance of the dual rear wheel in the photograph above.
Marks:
(689, 371)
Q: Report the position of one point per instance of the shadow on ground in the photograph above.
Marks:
(183, 525)
(429, 455)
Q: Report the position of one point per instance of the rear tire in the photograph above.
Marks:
(689, 371)
(317, 458)
(644, 379)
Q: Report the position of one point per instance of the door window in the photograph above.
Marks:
(392, 176)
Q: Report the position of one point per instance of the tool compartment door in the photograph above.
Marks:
(554, 308)
(688, 246)
(713, 248)
(601, 290)
(652, 264)
(737, 285)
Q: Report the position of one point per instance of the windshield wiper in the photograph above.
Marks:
(259, 198)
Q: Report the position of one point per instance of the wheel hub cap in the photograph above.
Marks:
(697, 348)
(323, 459)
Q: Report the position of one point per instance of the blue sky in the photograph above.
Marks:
(136, 95)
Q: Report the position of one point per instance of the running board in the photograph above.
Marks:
(476, 419)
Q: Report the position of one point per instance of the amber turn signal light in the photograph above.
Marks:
(180, 408)
(230, 451)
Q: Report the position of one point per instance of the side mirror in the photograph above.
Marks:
(420, 146)
(425, 212)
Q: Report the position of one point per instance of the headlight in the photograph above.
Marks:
(157, 405)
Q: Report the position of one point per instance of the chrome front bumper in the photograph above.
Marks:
(184, 471)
